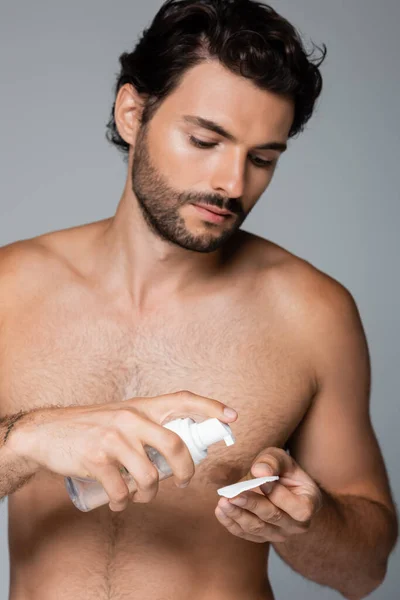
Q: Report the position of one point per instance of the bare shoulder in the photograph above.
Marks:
(25, 274)
(32, 268)
(307, 296)
(22, 262)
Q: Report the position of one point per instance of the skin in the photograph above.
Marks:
(113, 310)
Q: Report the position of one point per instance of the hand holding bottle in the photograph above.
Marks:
(93, 441)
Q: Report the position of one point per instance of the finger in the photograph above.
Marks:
(163, 445)
(268, 512)
(115, 487)
(273, 461)
(116, 451)
(175, 456)
(234, 527)
(141, 469)
(104, 466)
(183, 404)
(300, 507)
(250, 524)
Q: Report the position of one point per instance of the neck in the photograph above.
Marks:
(134, 259)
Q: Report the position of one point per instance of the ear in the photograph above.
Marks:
(127, 112)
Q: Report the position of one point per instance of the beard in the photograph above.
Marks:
(160, 205)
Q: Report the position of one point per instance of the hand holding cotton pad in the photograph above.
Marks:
(230, 491)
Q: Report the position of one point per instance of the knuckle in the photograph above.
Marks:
(251, 504)
(99, 457)
(173, 443)
(119, 496)
(275, 516)
(240, 533)
(184, 477)
(110, 438)
(255, 528)
(149, 479)
(111, 441)
(304, 518)
(123, 415)
(302, 527)
(305, 512)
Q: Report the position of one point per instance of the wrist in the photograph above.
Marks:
(10, 422)
(17, 440)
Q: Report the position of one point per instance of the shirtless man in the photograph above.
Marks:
(110, 329)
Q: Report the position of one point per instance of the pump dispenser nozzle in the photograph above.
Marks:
(212, 431)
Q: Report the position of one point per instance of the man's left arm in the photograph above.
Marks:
(330, 516)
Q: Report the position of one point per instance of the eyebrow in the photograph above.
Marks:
(212, 126)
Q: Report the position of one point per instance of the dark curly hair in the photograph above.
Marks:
(248, 37)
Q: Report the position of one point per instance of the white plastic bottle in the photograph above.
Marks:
(88, 494)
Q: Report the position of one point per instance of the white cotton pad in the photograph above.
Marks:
(230, 491)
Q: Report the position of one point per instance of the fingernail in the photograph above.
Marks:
(266, 488)
(230, 413)
(262, 469)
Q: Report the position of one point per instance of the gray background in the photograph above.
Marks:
(334, 199)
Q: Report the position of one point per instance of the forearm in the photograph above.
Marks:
(346, 547)
(14, 470)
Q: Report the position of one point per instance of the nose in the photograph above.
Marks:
(230, 173)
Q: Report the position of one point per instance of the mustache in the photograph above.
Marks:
(232, 204)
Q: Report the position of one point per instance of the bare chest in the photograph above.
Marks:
(67, 357)
(81, 357)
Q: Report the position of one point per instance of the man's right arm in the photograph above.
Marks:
(15, 471)
(91, 441)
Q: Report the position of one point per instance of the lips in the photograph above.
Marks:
(215, 210)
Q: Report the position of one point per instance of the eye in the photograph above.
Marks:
(259, 162)
(200, 143)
